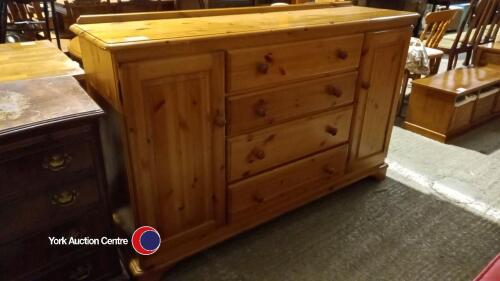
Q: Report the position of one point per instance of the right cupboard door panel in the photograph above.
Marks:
(379, 82)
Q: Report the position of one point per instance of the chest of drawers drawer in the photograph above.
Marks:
(256, 110)
(268, 65)
(255, 152)
(37, 166)
(51, 205)
(262, 191)
(35, 251)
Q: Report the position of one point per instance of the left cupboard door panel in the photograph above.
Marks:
(174, 113)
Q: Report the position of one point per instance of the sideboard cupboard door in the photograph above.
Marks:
(175, 126)
(379, 82)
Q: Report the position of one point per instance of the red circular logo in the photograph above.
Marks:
(146, 240)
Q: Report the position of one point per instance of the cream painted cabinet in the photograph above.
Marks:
(175, 132)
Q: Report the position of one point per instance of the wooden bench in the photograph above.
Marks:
(448, 104)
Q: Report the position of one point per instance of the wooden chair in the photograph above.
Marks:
(436, 25)
(480, 27)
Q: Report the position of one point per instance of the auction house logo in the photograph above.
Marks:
(146, 240)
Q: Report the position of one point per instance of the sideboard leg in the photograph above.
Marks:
(382, 171)
(148, 275)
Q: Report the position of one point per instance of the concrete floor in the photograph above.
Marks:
(436, 217)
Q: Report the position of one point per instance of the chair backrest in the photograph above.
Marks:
(436, 25)
(87, 7)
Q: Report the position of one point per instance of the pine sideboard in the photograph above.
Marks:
(228, 121)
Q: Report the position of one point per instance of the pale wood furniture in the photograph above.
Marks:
(436, 24)
(480, 27)
(228, 121)
(448, 104)
(487, 54)
(52, 183)
(28, 60)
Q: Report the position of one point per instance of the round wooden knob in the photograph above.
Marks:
(259, 153)
(331, 130)
(220, 121)
(269, 58)
(258, 198)
(365, 85)
(341, 54)
(334, 91)
(263, 68)
(260, 108)
(329, 169)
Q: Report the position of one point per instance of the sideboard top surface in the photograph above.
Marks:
(118, 35)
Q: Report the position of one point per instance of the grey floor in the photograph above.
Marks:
(435, 217)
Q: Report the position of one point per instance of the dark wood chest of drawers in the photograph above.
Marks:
(51, 183)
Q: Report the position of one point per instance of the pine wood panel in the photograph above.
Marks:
(29, 60)
(273, 106)
(270, 147)
(119, 35)
(484, 105)
(263, 66)
(177, 142)
(314, 171)
(384, 56)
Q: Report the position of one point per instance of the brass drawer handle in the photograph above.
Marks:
(334, 91)
(81, 272)
(65, 198)
(341, 54)
(329, 169)
(331, 130)
(263, 68)
(56, 161)
(260, 108)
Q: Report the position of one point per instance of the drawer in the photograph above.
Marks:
(97, 266)
(264, 66)
(462, 114)
(255, 152)
(35, 252)
(496, 108)
(256, 110)
(268, 189)
(31, 213)
(484, 104)
(36, 168)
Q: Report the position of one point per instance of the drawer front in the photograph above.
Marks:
(57, 204)
(496, 109)
(36, 169)
(263, 66)
(484, 106)
(274, 146)
(100, 265)
(35, 252)
(249, 112)
(262, 191)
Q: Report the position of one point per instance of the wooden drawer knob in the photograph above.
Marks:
(56, 162)
(260, 108)
(259, 153)
(329, 169)
(334, 91)
(258, 198)
(219, 120)
(365, 85)
(263, 68)
(341, 54)
(331, 130)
